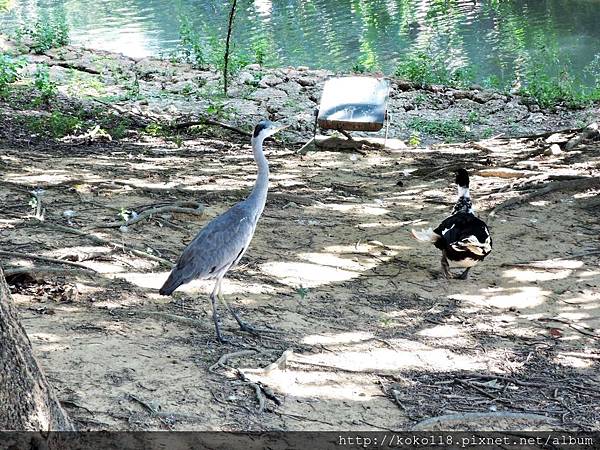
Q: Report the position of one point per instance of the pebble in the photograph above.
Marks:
(553, 150)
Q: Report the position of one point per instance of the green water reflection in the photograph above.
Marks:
(497, 38)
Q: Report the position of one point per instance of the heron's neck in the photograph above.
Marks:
(259, 193)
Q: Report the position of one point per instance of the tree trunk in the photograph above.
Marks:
(27, 402)
(227, 45)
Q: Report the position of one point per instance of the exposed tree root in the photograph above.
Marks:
(227, 356)
(45, 259)
(199, 210)
(104, 241)
(471, 420)
(563, 186)
(43, 269)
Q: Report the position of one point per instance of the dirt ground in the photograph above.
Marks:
(368, 335)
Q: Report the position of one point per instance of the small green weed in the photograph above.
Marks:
(425, 69)
(386, 322)
(48, 32)
(190, 44)
(155, 129)
(419, 99)
(262, 52)
(57, 125)
(449, 129)
(548, 80)
(9, 71)
(47, 89)
(473, 117)
(302, 292)
(414, 140)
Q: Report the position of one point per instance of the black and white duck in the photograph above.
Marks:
(463, 238)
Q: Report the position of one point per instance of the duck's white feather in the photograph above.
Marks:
(425, 235)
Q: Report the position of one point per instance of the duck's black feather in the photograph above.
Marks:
(456, 237)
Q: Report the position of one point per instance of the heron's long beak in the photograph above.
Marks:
(281, 127)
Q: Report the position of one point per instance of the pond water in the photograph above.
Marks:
(495, 37)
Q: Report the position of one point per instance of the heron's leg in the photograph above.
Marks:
(445, 267)
(213, 300)
(244, 326)
(464, 275)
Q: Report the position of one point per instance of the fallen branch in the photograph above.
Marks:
(568, 185)
(572, 326)
(259, 396)
(104, 241)
(507, 379)
(207, 121)
(588, 132)
(298, 199)
(279, 364)
(149, 213)
(43, 269)
(546, 134)
(154, 412)
(45, 259)
(443, 422)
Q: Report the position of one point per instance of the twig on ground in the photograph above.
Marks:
(570, 325)
(154, 412)
(379, 427)
(259, 397)
(279, 364)
(507, 379)
(299, 417)
(482, 391)
(149, 213)
(227, 356)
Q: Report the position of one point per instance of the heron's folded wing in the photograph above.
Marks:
(217, 245)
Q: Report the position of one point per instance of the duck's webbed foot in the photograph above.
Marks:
(445, 267)
(464, 275)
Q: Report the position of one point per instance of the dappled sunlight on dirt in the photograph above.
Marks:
(371, 330)
(197, 287)
(521, 297)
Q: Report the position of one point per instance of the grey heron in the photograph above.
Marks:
(223, 241)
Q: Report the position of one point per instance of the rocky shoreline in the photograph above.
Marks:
(167, 91)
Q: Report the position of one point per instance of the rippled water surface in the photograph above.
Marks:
(495, 36)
